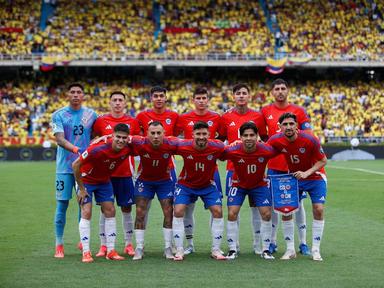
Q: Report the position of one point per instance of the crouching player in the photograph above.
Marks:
(154, 177)
(305, 158)
(196, 180)
(92, 172)
(250, 159)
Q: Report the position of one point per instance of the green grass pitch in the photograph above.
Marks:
(352, 246)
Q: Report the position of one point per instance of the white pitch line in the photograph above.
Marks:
(357, 169)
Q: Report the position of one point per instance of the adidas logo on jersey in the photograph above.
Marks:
(283, 150)
(266, 201)
(191, 123)
(146, 156)
(170, 194)
(109, 127)
(322, 198)
(218, 200)
(241, 161)
(270, 117)
(130, 201)
(190, 157)
(232, 124)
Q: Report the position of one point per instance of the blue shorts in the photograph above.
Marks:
(147, 189)
(228, 181)
(65, 183)
(302, 194)
(185, 195)
(216, 178)
(317, 190)
(123, 190)
(103, 193)
(261, 196)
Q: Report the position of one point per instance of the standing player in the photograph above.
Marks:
(196, 180)
(184, 126)
(72, 127)
(250, 159)
(305, 157)
(278, 165)
(92, 171)
(122, 177)
(154, 177)
(229, 129)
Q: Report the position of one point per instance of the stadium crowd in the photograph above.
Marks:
(331, 29)
(328, 29)
(336, 108)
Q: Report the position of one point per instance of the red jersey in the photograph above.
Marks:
(168, 118)
(271, 114)
(249, 167)
(231, 122)
(199, 165)
(99, 161)
(187, 120)
(104, 126)
(154, 163)
(300, 154)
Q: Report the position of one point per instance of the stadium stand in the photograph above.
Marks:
(331, 29)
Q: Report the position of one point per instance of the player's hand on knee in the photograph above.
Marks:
(81, 196)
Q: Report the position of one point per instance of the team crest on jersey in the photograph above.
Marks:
(307, 125)
(209, 157)
(230, 199)
(302, 150)
(210, 123)
(85, 154)
(168, 121)
(261, 159)
(165, 156)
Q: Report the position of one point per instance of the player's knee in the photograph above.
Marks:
(109, 211)
(318, 212)
(178, 212)
(217, 212)
(266, 214)
(286, 218)
(126, 209)
(232, 215)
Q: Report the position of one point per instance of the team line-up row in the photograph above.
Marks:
(291, 150)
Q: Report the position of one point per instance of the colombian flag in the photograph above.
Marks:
(276, 66)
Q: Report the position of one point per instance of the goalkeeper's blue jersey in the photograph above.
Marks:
(77, 128)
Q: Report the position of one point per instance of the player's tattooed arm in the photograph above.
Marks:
(61, 141)
(82, 194)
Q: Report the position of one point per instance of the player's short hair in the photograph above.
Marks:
(121, 127)
(155, 123)
(117, 93)
(238, 86)
(160, 89)
(248, 125)
(200, 91)
(279, 81)
(75, 84)
(200, 125)
(286, 116)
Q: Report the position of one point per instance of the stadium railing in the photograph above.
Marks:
(362, 140)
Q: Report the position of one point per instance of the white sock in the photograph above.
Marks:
(275, 225)
(301, 223)
(238, 231)
(217, 233)
(85, 233)
(256, 227)
(189, 223)
(289, 234)
(139, 235)
(147, 214)
(266, 231)
(103, 240)
(232, 231)
(167, 233)
(110, 233)
(317, 234)
(127, 227)
(178, 231)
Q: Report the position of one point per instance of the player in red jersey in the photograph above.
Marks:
(92, 172)
(196, 180)
(154, 177)
(229, 129)
(250, 159)
(122, 177)
(305, 159)
(278, 165)
(184, 126)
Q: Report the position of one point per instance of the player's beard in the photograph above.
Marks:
(201, 143)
